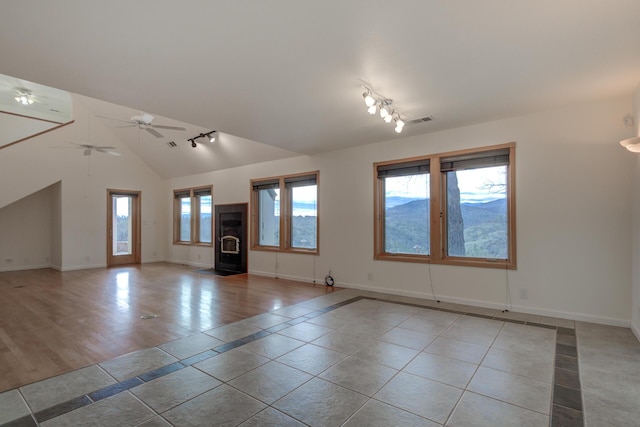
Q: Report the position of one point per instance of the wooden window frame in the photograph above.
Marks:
(285, 222)
(437, 207)
(194, 238)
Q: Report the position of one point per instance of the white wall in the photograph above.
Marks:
(25, 227)
(574, 216)
(79, 229)
(635, 323)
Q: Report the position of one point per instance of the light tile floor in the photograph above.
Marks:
(356, 358)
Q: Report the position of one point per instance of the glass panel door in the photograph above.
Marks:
(123, 227)
(121, 217)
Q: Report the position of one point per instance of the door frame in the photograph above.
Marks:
(135, 257)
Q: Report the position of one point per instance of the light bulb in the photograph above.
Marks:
(372, 109)
(388, 117)
(384, 112)
(212, 138)
(399, 125)
(368, 99)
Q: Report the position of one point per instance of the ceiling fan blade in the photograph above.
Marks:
(124, 126)
(169, 127)
(106, 151)
(104, 147)
(153, 132)
(111, 118)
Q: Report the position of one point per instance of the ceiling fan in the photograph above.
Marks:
(89, 148)
(145, 121)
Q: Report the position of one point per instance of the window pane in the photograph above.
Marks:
(477, 223)
(406, 214)
(269, 217)
(304, 214)
(121, 225)
(185, 219)
(205, 218)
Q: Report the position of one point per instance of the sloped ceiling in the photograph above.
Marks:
(287, 73)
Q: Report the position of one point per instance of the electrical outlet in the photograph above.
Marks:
(524, 293)
(370, 276)
(87, 258)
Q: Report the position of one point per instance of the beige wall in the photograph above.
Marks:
(77, 235)
(574, 216)
(635, 324)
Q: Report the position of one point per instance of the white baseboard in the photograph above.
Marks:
(287, 277)
(188, 263)
(582, 317)
(83, 267)
(24, 267)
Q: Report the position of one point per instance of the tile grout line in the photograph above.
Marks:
(121, 386)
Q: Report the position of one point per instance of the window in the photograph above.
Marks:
(193, 219)
(471, 195)
(284, 213)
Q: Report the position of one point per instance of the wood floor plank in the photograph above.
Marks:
(54, 322)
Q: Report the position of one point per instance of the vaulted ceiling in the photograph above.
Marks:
(288, 73)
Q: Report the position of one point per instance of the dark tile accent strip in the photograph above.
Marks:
(567, 362)
(161, 372)
(62, 408)
(26, 421)
(541, 325)
(198, 357)
(314, 314)
(109, 391)
(566, 331)
(254, 336)
(504, 319)
(295, 321)
(279, 327)
(229, 346)
(567, 397)
(566, 378)
(566, 340)
(566, 350)
(566, 417)
(482, 316)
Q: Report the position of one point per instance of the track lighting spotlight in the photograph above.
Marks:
(210, 136)
(389, 117)
(372, 109)
(399, 125)
(368, 99)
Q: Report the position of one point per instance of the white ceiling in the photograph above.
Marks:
(286, 72)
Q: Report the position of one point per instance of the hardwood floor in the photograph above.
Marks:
(54, 322)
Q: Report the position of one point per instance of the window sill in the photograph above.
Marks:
(466, 262)
(285, 251)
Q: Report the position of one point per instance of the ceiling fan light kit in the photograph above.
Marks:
(375, 103)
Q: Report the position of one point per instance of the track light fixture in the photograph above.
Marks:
(381, 104)
(210, 136)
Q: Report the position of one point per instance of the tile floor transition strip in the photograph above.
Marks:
(567, 410)
(62, 408)
(26, 421)
(567, 403)
(199, 357)
(161, 372)
(116, 388)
